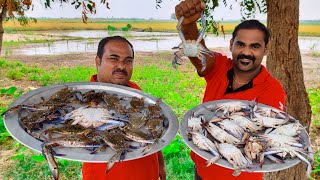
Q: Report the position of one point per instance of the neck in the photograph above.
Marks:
(243, 77)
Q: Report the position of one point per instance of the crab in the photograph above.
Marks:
(268, 112)
(137, 104)
(235, 157)
(195, 123)
(244, 122)
(137, 135)
(137, 122)
(231, 107)
(221, 135)
(269, 122)
(206, 144)
(292, 152)
(191, 48)
(291, 129)
(92, 117)
(116, 140)
(67, 130)
(155, 110)
(232, 128)
(67, 141)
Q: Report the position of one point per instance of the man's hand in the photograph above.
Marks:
(190, 9)
(162, 167)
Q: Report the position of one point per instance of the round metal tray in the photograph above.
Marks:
(80, 154)
(202, 109)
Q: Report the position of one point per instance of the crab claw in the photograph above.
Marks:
(47, 153)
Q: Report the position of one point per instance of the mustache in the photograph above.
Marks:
(242, 56)
(121, 71)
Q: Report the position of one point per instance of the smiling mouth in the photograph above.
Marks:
(120, 74)
(245, 62)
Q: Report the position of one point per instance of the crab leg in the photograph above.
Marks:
(203, 21)
(47, 153)
(203, 61)
(207, 51)
(175, 60)
(309, 168)
(274, 159)
(180, 31)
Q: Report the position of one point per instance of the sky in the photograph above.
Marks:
(146, 9)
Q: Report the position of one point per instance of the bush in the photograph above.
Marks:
(124, 29)
(15, 74)
(111, 28)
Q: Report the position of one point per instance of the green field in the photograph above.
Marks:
(306, 28)
(180, 89)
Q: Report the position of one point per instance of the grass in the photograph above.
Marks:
(175, 93)
(180, 90)
(315, 54)
(26, 41)
(314, 96)
(305, 28)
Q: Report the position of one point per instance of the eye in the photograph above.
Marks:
(256, 46)
(113, 58)
(239, 44)
(129, 61)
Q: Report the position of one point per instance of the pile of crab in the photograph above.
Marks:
(245, 133)
(95, 121)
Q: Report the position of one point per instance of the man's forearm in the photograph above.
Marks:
(162, 167)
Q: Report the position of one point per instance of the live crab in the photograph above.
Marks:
(191, 48)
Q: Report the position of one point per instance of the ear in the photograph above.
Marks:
(266, 50)
(230, 46)
(98, 61)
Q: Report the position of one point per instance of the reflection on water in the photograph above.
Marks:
(142, 41)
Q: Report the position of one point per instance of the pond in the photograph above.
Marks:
(142, 41)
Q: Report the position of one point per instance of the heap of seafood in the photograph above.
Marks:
(94, 120)
(244, 132)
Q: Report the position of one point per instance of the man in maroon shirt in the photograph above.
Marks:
(114, 63)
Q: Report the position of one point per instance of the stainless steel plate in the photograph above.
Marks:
(80, 154)
(202, 109)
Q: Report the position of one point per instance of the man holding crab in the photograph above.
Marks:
(242, 77)
(114, 63)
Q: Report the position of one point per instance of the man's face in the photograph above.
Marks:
(248, 49)
(116, 63)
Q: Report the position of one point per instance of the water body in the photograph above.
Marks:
(142, 41)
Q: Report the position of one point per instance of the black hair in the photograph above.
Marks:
(105, 40)
(252, 24)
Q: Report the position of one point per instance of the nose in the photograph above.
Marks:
(121, 64)
(247, 51)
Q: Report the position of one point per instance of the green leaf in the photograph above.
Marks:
(38, 158)
(64, 162)
(18, 157)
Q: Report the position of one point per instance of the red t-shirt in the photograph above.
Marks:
(265, 89)
(146, 168)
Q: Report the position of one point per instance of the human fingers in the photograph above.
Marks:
(188, 10)
(192, 7)
(199, 5)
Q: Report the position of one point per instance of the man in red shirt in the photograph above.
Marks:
(242, 77)
(114, 63)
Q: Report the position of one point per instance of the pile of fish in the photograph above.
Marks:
(94, 120)
(243, 132)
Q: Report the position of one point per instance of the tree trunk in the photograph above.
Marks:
(2, 16)
(284, 63)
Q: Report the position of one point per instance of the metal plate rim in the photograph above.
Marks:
(169, 136)
(222, 162)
